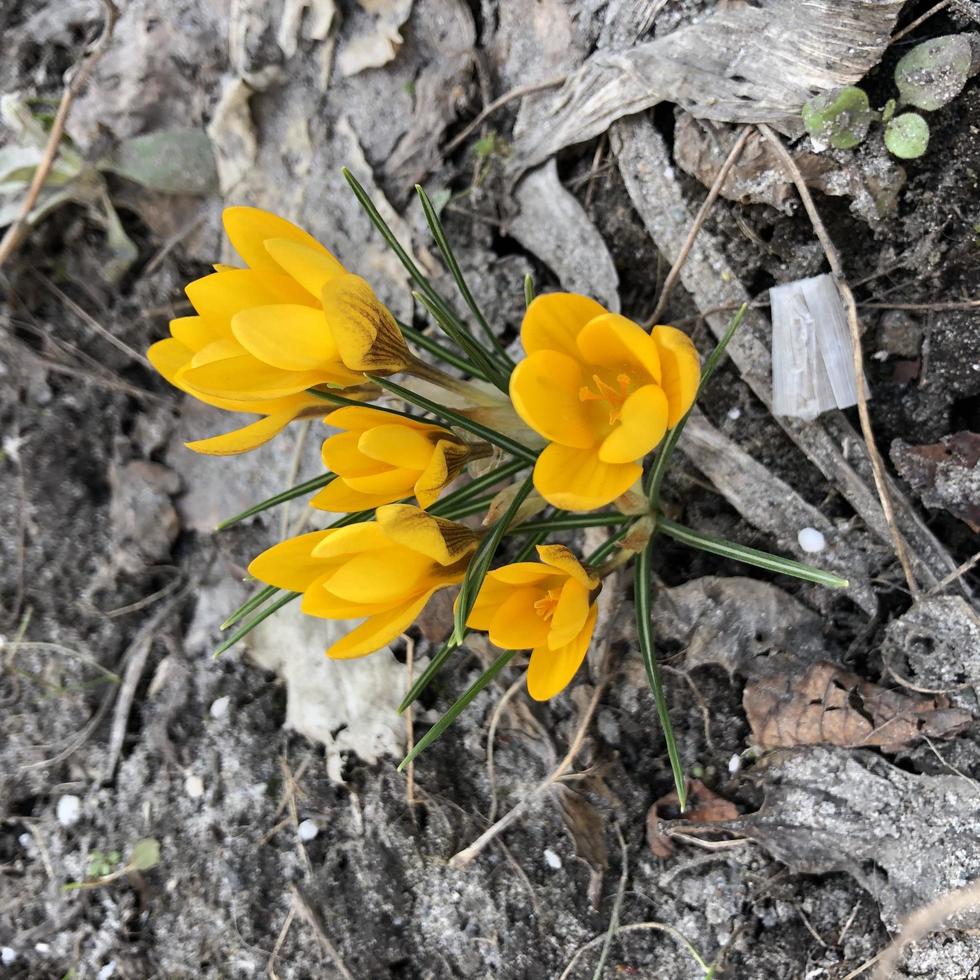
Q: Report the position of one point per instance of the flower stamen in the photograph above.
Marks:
(545, 606)
(606, 393)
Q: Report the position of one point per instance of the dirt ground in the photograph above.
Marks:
(289, 844)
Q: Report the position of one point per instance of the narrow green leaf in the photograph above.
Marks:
(480, 563)
(454, 418)
(246, 607)
(528, 290)
(337, 399)
(440, 351)
(761, 559)
(644, 632)
(607, 548)
(476, 487)
(656, 475)
(467, 508)
(439, 235)
(247, 628)
(450, 716)
(566, 522)
(280, 498)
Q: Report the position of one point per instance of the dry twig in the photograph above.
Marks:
(908, 28)
(312, 918)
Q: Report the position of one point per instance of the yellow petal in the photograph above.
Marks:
(366, 334)
(397, 445)
(169, 357)
(339, 498)
(195, 332)
(291, 563)
(362, 418)
(612, 341)
(569, 616)
(378, 631)
(387, 576)
(641, 426)
(550, 671)
(681, 368)
(443, 541)
(310, 267)
(553, 321)
(294, 338)
(544, 388)
(352, 540)
(242, 440)
(319, 601)
(246, 378)
(218, 350)
(522, 573)
(560, 557)
(516, 624)
(576, 479)
(398, 482)
(342, 455)
(444, 466)
(249, 228)
(489, 599)
(221, 295)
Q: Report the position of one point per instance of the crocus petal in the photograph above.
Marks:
(249, 379)
(444, 466)
(642, 425)
(569, 616)
(339, 498)
(681, 369)
(366, 334)
(195, 332)
(221, 295)
(388, 481)
(218, 350)
(443, 541)
(545, 388)
(612, 341)
(318, 600)
(576, 479)
(310, 267)
(397, 445)
(553, 321)
(249, 228)
(378, 631)
(341, 454)
(516, 625)
(291, 563)
(363, 418)
(550, 671)
(489, 599)
(522, 573)
(560, 557)
(244, 439)
(380, 576)
(352, 540)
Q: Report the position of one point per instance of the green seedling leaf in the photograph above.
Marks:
(934, 73)
(839, 118)
(907, 136)
(145, 854)
(124, 251)
(888, 111)
(177, 161)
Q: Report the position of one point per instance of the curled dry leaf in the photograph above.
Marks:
(705, 806)
(828, 705)
(586, 828)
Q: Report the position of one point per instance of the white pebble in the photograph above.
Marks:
(107, 971)
(880, 355)
(25, 841)
(219, 708)
(551, 859)
(735, 413)
(307, 830)
(811, 540)
(734, 763)
(43, 948)
(69, 811)
(194, 787)
(7, 955)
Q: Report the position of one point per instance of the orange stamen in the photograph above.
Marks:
(545, 606)
(606, 393)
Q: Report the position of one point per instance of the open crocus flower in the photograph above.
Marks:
(384, 570)
(382, 457)
(602, 391)
(547, 607)
(263, 335)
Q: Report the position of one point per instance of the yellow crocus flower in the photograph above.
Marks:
(263, 335)
(602, 391)
(382, 457)
(547, 607)
(384, 570)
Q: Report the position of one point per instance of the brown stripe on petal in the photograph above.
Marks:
(364, 330)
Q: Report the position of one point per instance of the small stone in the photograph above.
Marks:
(25, 841)
(42, 948)
(811, 540)
(69, 811)
(734, 763)
(7, 955)
(551, 859)
(307, 830)
(107, 971)
(194, 787)
(219, 708)
(735, 413)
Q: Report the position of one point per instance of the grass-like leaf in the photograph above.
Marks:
(337, 399)
(280, 498)
(566, 522)
(606, 548)
(528, 290)
(644, 632)
(440, 351)
(264, 614)
(453, 713)
(761, 559)
(476, 487)
(656, 476)
(480, 562)
(263, 595)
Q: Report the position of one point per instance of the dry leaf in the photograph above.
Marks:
(827, 705)
(704, 806)
(585, 826)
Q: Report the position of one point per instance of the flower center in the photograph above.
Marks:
(614, 397)
(545, 606)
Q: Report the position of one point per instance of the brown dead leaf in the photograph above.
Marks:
(827, 705)
(586, 828)
(705, 807)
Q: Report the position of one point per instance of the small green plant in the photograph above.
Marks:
(103, 868)
(928, 77)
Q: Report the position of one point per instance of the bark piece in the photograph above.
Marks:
(828, 705)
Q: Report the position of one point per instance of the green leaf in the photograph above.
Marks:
(565, 522)
(751, 556)
(316, 483)
(528, 290)
(907, 136)
(177, 161)
(479, 565)
(145, 854)
(606, 548)
(247, 628)
(124, 251)
(476, 487)
(249, 605)
(934, 73)
(644, 632)
(839, 118)
(451, 715)
(427, 343)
